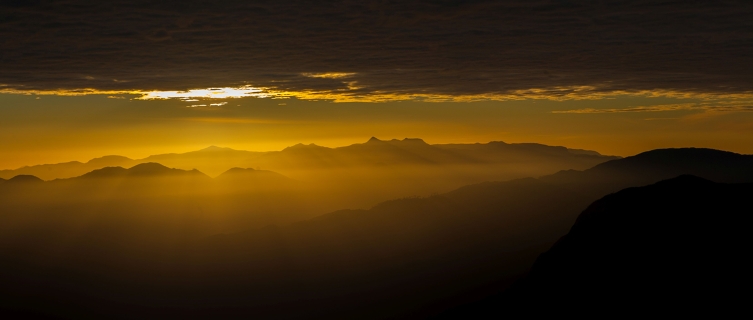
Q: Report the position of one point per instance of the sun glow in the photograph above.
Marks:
(210, 93)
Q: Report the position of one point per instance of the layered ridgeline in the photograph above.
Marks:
(68, 169)
(412, 257)
(528, 157)
(164, 197)
(361, 175)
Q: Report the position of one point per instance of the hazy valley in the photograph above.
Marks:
(306, 180)
(252, 241)
(200, 159)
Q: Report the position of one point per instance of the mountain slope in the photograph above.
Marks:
(655, 165)
(682, 238)
(24, 179)
(68, 169)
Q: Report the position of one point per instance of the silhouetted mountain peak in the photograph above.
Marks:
(237, 170)
(412, 141)
(691, 160)
(374, 140)
(299, 146)
(675, 156)
(156, 169)
(148, 167)
(142, 169)
(683, 155)
(24, 178)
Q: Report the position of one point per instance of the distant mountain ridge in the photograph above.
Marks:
(215, 160)
(68, 169)
(416, 151)
(24, 178)
(148, 169)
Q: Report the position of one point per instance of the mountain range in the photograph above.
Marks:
(404, 258)
(374, 153)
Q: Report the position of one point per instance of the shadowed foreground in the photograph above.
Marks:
(677, 247)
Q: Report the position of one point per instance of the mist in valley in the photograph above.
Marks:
(150, 239)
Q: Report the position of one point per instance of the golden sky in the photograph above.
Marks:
(82, 79)
(39, 129)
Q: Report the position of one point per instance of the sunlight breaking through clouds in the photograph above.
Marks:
(211, 93)
(365, 94)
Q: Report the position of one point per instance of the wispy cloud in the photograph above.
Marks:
(329, 75)
(656, 108)
(721, 107)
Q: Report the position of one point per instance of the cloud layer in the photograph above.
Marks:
(403, 49)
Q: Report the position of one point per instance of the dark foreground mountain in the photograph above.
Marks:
(676, 247)
(407, 258)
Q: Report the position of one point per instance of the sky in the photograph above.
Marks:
(82, 79)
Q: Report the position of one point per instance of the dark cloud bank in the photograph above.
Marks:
(404, 47)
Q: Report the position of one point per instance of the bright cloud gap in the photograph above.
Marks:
(211, 93)
(352, 94)
(360, 94)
